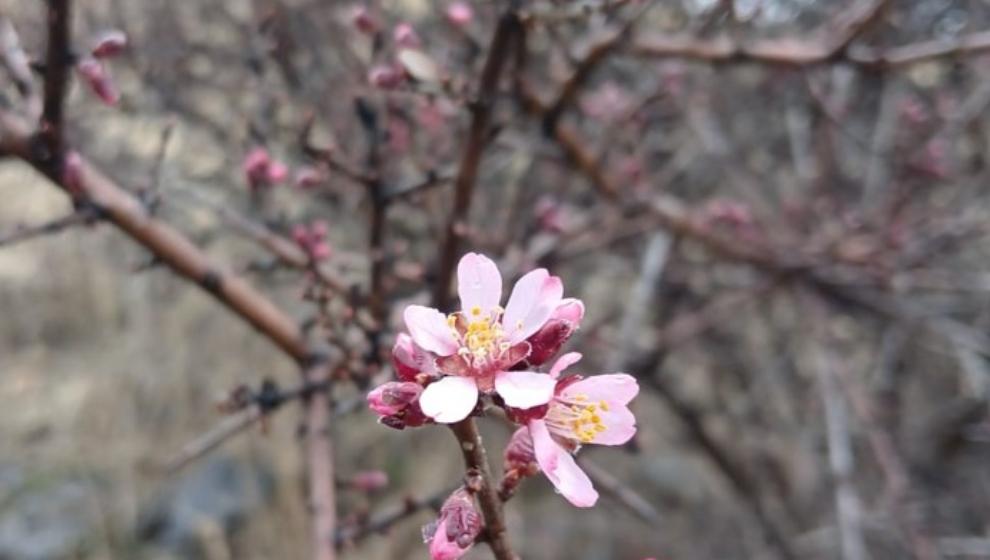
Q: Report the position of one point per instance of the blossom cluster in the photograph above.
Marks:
(448, 365)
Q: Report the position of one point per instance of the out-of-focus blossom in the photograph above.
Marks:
(729, 212)
(399, 135)
(109, 44)
(583, 410)
(549, 214)
(312, 240)
(309, 177)
(96, 76)
(455, 530)
(460, 13)
(404, 35)
(369, 481)
(363, 21)
(477, 346)
(261, 170)
(386, 77)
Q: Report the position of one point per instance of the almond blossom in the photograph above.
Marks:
(583, 410)
(476, 347)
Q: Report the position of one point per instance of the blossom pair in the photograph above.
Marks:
(446, 362)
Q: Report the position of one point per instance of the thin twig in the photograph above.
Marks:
(476, 461)
(499, 54)
(24, 233)
(381, 522)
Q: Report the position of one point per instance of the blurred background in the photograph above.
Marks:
(775, 212)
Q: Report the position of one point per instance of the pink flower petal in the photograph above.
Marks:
(479, 284)
(620, 426)
(559, 466)
(449, 400)
(613, 388)
(428, 328)
(569, 309)
(533, 300)
(564, 362)
(524, 389)
(442, 547)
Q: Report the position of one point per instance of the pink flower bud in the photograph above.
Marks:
(369, 481)
(456, 529)
(299, 234)
(320, 251)
(397, 402)
(408, 359)
(309, 177)
(386, 77)
(277, 172)
(519, 453)
(319, 228)
(72, 173)
(363, 20)
(404, 35)
(109, 44)
(547, 341)
(255, 167)
(96, 76)
(460, 13)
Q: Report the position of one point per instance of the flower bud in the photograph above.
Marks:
(409, 360)
(456, 529)
(363, 20)
(547, 341)
(404, 35)
(369, 481)
(397, 402)
(460, 14)
(109, 44)
(309, 177)
(386, 77)
(95, 75)
(519, 453)
(72, 173)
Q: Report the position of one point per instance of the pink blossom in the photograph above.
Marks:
(455, 531)
(369, 481)
(583, 410)
(404, 35)
(109, 44)
(97, 77)
(386, 77)
(312, 240)
(476, 346)
(261, 170)
(309, 177)
(363, 20)
(460, 13)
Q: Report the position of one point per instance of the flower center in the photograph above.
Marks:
(576, 418)
(479, 334)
